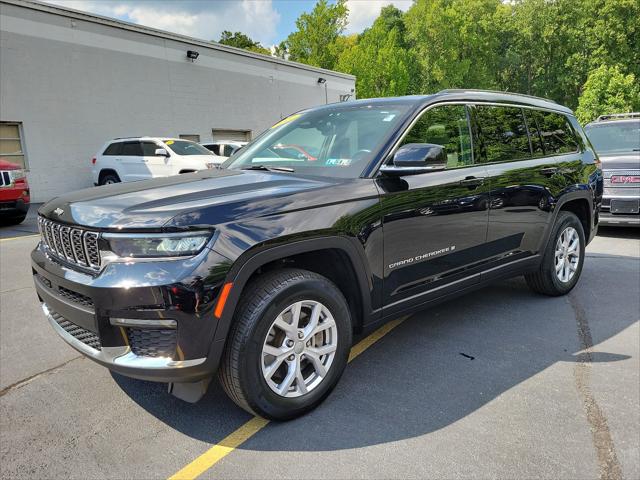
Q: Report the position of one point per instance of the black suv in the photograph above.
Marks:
(265, 269)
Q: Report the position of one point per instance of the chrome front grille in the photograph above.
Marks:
(607, 174)
(75, 245)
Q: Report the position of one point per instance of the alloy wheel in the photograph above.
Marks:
(299, 348)
(567, 254)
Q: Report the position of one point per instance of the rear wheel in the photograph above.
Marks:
(288, 345)
(109, 178)
(562, 262)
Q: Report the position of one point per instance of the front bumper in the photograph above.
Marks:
(14, 208)
(147, 320)
(618, 219)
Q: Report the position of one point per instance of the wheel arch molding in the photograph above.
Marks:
(566, 202)
(250, 262)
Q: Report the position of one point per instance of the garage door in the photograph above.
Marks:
(236, 135)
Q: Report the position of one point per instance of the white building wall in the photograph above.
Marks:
(75, 81)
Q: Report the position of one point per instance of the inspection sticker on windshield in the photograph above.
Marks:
(286, 120)
(169, 142)
(340, 162)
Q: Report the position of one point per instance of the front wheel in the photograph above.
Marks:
(562, 261)
(288, 345)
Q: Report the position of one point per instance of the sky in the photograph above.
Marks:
(267, 21)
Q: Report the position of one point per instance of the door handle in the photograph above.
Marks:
(144, 160)
(549, 171)
(472, 182)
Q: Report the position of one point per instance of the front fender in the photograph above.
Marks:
(253, 259)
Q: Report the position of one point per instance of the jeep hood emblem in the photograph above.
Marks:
(58, 211)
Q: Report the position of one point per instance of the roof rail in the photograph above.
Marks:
(461, 90)
(612, 116)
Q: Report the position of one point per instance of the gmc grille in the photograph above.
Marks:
(72, 244)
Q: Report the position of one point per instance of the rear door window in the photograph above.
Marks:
(113, 149)
(534, 133)
(133, 149)
(502, 134)
(557, 135)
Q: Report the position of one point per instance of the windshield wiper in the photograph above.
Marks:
(270, 169)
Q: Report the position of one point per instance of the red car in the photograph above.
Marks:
(14, 193)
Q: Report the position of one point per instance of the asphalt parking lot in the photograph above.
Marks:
(501, 384)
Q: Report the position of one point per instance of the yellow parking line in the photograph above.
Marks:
(228, 444)
(18, 238)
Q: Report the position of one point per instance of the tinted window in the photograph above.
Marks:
(502, 134)
(132, 148)
(615, 137)
(534, 133)
(557, 135)
(446, 126)
(228, 150)
(113, 149)
(149, 149)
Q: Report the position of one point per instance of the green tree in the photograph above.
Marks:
(314, 41)
(240, 40)
(456, 42)
(548, 48)
(379, 58)
(608, 90)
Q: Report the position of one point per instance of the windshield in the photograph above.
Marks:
(337, 142)
(616, 137)
(185, 147)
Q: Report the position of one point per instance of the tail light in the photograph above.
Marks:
(93, 161)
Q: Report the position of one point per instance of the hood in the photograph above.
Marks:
(208, 197)
(627, 161)
(7, 165)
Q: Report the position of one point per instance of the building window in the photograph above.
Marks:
(193, 138)
(11, 144)
(220, 134)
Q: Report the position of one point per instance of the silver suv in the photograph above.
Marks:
(616, 139)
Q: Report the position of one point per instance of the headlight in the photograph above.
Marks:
(156, 245)
(16, 174)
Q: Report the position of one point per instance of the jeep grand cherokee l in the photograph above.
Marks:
(263, 270)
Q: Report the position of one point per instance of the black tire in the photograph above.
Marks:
(545, 280)
(262, 301)
(109, 178)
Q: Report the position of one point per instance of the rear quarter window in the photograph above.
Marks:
(113, 149)
(557, 135)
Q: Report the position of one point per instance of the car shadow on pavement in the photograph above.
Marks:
(434, 369)
(619, 232)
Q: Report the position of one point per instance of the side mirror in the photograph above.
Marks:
(416, 158)
(161, 152)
